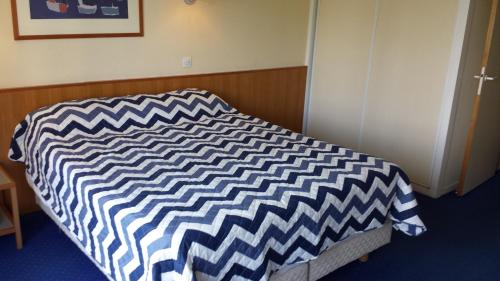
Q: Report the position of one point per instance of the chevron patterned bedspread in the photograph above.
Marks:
(158, 187)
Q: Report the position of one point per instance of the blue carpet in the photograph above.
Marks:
(463, 243)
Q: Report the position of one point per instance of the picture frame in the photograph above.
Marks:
(68, 19)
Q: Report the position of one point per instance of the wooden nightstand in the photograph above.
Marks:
(9, 221)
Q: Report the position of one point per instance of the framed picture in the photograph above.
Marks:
(57, 19)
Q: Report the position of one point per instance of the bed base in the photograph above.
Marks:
(48, 212)
(351, 249)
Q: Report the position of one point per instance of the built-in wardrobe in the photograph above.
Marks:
(385, 80)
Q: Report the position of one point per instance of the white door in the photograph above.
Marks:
(482, 147)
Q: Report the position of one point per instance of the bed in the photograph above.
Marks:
(182, 186)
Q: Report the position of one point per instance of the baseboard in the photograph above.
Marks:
(427, 191)
(447, 189)
(434, 193)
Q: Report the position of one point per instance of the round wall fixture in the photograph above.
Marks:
(189, 2)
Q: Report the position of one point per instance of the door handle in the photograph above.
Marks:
(485, 77)
(482, 78)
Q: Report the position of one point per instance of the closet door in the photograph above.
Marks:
(341, 59)
(411, 58)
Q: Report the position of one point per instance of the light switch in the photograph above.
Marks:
(187, 62)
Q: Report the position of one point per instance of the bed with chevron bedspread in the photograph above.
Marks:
(158, 187)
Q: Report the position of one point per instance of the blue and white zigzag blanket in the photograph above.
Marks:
(158, 187)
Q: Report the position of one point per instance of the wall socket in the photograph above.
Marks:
(187, 62)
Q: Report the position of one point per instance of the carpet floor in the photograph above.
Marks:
(463, 243)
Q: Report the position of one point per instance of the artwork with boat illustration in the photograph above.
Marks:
(58, 19)
(78, 9)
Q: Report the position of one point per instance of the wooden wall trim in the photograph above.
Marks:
(144, 79)
(276, 95)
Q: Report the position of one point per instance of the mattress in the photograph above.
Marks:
(160, 187)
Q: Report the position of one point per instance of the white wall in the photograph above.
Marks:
(220, 35)
(405, 71)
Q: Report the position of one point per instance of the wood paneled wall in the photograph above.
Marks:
(275, 95)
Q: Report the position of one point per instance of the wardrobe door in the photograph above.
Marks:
(410, 64)
(343, 41)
